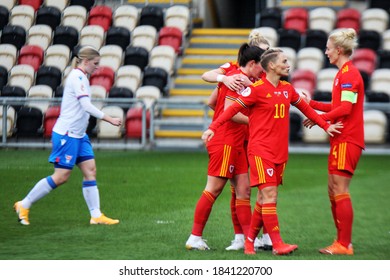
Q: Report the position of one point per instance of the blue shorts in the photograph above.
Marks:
(68, 151)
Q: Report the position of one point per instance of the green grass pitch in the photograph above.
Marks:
(154, 193)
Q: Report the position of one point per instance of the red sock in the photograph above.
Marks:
(256, 222)
(202, 212)
(270, 219)
(244, 213)
(344, 212)
(236, 223)
(333, 209)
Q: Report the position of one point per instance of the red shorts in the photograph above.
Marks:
(343, 159)
(226, 161)
(264, 173)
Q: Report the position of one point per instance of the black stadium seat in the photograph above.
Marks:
(117, 35)
(155, 76)
(3, 77)
(289, 38)
(4, 17)
(121, 92)
(29, 122)
(271, 17)
(316, 38)
(370, 39)
(138, 56)
(49, 75)
(48, 15)
(66, 35)
(152, 15)
(14, 91)
(13, 34)
(88, 4)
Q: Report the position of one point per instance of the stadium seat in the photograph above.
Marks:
(380, 80)
(10, 121)
(295, 127)
(386, 40)
(314, 135)
(126, 16)
(103, 76)
(271, 17)
(322, 18)
(144, 36)
(325, 78)
(39, 91)
(121, 92)
(31, 55)
(111, 56)
(101, 15)
(8, 54)
(383, 58)
(138, 56)
(153, 16)
(366, 79)
(304, 79)
(35, 4)
(29, 122)
(271, 34)
(369, 39)
(374, 19)
(148, 94)
(66, 35)
(87, 4)
(375, 127)
(50, 16)
(3, 77)
(128, 76)
(310, 58)
(59, 91)
(290, 38)
(316, 38)
(118, 35)
(178, 16)
(322, 95)
(365, 60)
(13, 34)
(49, 75)
(22, 75)
(163, 57)
(376, 96)
(348, 18)
(106, 130)
(133, 125)
(58, 4)
(92, 35)
(49, 120)
(14, 91)
(57, 56)
(40, 35)
(4, 17)
(379, 4)
(296, 18)
(98, 92)
(171, 36)
(155, 76)
(74, 16)
(9, 4)
(22, 15)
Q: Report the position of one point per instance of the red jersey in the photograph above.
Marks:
(229, 66)
(349, 79)
(269, 118)
(231, 133)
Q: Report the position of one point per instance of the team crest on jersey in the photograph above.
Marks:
(270, 172)
(285, 93)
(68, 158)
(231, 168)
(246, 92)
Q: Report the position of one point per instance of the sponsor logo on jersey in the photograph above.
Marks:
(346, 85)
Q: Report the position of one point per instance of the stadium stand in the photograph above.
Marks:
(370, 39)
(126, 16)
(322, 18)
(152, 15)
(100, 15)
(100, 93)
(49, 119)
(10, 121)
(87, 4)
(57, 56)
(290, 38)
(315, 38)
(28, 122)
(271, 34)
(348, 18)
(163, 57)
(50, 16)
(40, 35)
(155, 76)
(49, 75)
(296, 18)
(375, 127)
(325, 78)
(92, 35)
(4, 16)
(144, 36)
(35, 4)
(148, 94)
(8, 55)
(3, 77)
(39, 91)
(365, 59)
(271, 17)
(304, 79)
(58, 4)
(117, 35)
(22, 15)
(106, 130)
(103, 76)
(138, 56)
(9, 4)
(111, 56)
(13, 34)
(74, 16)
(171, 36)
(178, 16)
(129, 76)
(310, 58)
(375, 19)
(22, 75)
(31, 55)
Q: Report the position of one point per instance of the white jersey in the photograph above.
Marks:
(76, 106)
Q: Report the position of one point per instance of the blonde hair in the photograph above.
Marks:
(268, 56)
(85, 52)
(256, 38)
(344, 38)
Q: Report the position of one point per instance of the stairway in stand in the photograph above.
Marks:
(185, 115)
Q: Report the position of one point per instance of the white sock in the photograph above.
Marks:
(41, 189)
(91, 196)
(239, 236)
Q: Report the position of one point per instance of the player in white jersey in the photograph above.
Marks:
(71, 144)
